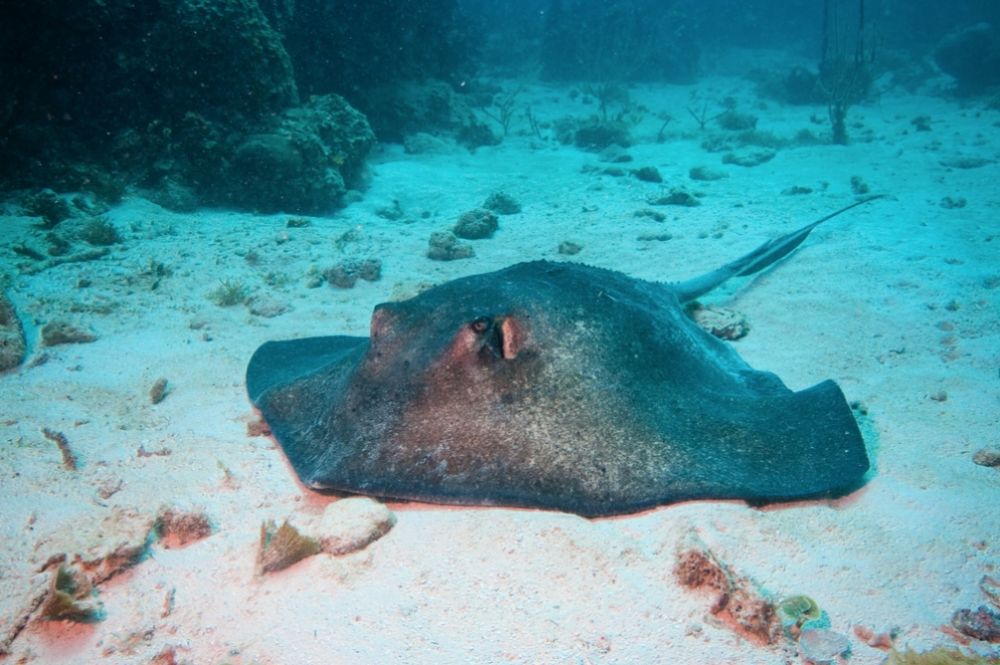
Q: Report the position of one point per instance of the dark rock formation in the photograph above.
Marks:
(303, 164)
(196, 102)
(972, 57)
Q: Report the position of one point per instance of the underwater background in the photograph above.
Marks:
(182, 181)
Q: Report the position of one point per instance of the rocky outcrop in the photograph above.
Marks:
(12, 344)
(303, 163)
(972, 57)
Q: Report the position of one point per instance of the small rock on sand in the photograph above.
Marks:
(352, 524)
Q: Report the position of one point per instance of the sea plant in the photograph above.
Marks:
(846, 64)
(229, 292)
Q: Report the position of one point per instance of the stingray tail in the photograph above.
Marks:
(762, 257)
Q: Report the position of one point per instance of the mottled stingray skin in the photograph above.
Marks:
(551, 385)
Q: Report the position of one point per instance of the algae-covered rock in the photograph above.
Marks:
(502, 203)
(597, 136)
(444, 246)
(972, 56)
(720, 322)
(220, 57)
(981, 624)
(178, 528)
(304, 163)
(346, 273)
(48, 206)
(476, 224)
(63, 332)
(675, 197)
(749, 159)
(12, 344)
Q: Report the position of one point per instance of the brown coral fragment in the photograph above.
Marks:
(282, 547)
(737, 603)
(68, 458)
(178, 529)
(159, 391)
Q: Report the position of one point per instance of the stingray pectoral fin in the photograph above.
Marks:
(798, 445)
(280, 363)
(296, 384)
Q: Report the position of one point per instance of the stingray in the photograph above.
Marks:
(556, 386)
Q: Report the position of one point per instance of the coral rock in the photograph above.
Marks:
(476, 224)
(444, 246)
(982, 624)
(723, 323)
(502, 204)
(737, 603)
(61, 332)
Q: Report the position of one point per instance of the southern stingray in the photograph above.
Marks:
(554, 385)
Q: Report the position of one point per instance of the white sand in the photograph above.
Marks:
(888, 300)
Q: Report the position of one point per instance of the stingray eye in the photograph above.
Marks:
(500, 337)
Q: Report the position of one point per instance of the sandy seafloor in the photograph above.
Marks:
(897, 301)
